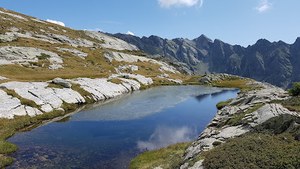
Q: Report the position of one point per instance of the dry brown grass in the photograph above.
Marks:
(242, 84)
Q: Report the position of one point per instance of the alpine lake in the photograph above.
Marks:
(111, 133)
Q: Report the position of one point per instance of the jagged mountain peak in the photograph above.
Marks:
(262, 42)
(263, 61)
(202, 38)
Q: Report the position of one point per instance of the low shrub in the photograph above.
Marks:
(295, 90)
(255, 151)
(273, 144)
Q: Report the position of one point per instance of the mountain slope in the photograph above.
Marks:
(33, 49)
(46, 67)
(277, 63)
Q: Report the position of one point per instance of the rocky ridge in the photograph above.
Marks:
(241, 115)
(273, 62)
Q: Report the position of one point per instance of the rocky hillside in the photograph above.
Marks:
(277, 63)
(46, 67)
(257, 110)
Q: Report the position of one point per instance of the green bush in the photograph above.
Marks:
(255, 151)
(295, 90)
(273, 144)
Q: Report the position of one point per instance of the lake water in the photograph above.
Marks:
(109, 135)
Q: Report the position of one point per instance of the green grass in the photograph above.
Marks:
(242, 84)
(167, 158)
(5, 161)
(238, 83)
(6, 147)
(192, 80)
(69, 107)
(222, 104)
(115, 80)
(292, 103)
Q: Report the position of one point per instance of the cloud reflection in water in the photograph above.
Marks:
(164, 136)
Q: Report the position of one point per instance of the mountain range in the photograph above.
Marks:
(275, 62)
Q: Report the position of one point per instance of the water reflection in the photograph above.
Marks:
(219, 93)
(202, 97)
(143, 103)
(164, 136)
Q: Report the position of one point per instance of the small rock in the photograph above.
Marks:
(62, 82)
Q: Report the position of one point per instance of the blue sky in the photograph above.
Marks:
(233, 21)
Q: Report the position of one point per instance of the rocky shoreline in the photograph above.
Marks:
(35, 98)
(239, 116)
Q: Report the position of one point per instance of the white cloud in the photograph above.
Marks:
(179, 3)
(56, 22)
(130, 33)
(164, 136)
(263, 6)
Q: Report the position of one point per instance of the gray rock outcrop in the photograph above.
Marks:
(11, 106)
(49, 99)
(8, 37)
(25, 55)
